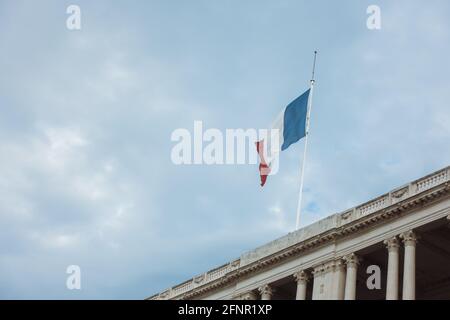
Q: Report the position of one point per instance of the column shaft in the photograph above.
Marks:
(409, 268)
(302, 279)
(301, 291)
(350, 281)
(393, 265)
(339, 280)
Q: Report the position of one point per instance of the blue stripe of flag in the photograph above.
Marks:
(294, 127)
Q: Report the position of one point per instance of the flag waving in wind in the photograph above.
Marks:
(291, 126)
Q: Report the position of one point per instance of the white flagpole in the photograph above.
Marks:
(299, 205)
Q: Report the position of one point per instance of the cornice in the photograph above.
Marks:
(399, 207)
(376, 218)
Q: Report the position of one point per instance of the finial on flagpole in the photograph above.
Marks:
(314, 66)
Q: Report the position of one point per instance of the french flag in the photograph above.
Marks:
(291, 126)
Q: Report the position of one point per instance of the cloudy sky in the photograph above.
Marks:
(86, 117)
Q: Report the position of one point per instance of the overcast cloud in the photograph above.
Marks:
(86, 118)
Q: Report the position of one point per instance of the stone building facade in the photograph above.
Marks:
(404, 235)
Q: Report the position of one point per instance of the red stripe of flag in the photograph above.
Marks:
(264, 169)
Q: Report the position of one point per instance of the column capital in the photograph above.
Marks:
(265, 290)
(332, 265)
(409, 265)
(251, 295)
(392, 243)
(301, 276)
(339, 264)
(409, 238)
(351, 260)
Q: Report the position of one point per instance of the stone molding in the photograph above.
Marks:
(400, 193)
(375, 218)
(425, 197)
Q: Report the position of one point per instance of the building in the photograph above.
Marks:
(405, 234)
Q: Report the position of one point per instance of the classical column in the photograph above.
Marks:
(302, 279)
(329, 280)
(266, 292)
(318, 283)
(249, 296)
(352, 262)
(392, 246)
(409, 272)
(339, 280)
